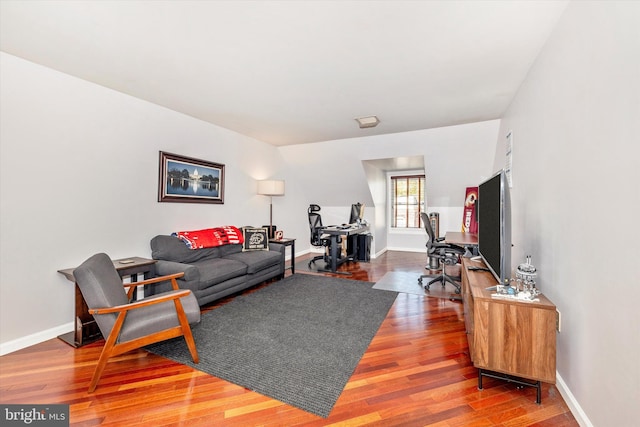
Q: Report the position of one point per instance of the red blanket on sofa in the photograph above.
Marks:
(210, 237)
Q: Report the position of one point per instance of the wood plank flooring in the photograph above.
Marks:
(416, 372)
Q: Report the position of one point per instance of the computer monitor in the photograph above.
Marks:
(357, 213)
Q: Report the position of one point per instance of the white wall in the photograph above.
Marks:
(332, 174)
(79, 175)
(575, 122)
(376, 213)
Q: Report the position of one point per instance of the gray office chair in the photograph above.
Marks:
(128, 325)
(448, 254)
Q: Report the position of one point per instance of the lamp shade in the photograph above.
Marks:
(271, 187)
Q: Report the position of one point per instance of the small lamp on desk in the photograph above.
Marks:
(271, 187)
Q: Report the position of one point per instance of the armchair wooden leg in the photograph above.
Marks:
(107, 351)
(188, 337)
(186, 331)
(102, 363)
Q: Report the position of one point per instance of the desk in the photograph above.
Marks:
(469, 241)
(335, 232)
(461, 239)
(85, 328)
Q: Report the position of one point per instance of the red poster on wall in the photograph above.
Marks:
(469, 219)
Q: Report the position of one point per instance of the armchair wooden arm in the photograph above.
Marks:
(155, 280)
(141, 303)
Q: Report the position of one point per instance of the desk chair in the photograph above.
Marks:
(447, 253)
(317, 239)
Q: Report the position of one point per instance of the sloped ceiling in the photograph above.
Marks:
(288, 72)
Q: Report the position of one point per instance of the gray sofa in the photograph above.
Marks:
(213, 273)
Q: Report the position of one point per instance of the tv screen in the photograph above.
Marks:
(494, 226)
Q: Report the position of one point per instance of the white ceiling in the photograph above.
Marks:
(291, 72)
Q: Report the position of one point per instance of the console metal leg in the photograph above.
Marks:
(511, 379)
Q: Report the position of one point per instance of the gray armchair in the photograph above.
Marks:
(128, 325)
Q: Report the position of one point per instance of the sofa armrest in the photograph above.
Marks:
(165, 268)
(277, 247)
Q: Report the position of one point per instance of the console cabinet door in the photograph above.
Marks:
(515, 339)
(512, 337)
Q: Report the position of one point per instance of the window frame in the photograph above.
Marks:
(392, 200)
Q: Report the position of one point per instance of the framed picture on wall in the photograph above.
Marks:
(187, 180)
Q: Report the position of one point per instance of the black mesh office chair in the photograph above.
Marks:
(317, 239)
(447, 253)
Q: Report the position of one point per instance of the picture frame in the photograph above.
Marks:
(187, 180)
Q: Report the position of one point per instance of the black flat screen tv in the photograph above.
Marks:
(494, 226)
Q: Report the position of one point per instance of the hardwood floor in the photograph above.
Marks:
(416, 372)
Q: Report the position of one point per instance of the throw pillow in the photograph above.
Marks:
(255, 239)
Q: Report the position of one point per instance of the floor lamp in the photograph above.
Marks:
(271, 187)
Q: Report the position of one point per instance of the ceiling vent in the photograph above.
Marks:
(368, 122)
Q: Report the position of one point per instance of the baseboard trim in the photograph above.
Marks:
(297, 254)
(33, 339)
(408, 250)
(572, 403)
(380, 253)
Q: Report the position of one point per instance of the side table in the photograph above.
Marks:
(85, 329)
(292, 243)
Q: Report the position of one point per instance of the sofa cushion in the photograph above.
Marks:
(257, 260)
(228, 250)
(170, 248)
(217, 270)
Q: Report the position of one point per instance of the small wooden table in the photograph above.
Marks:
(85, 328)
(292, 243)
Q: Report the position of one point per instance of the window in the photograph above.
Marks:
(407, 201)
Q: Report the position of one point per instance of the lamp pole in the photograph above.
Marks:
(271, 188)
(271, 217)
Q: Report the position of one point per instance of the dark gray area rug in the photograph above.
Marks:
(297, 340)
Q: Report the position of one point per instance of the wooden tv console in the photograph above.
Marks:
(508, 339)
